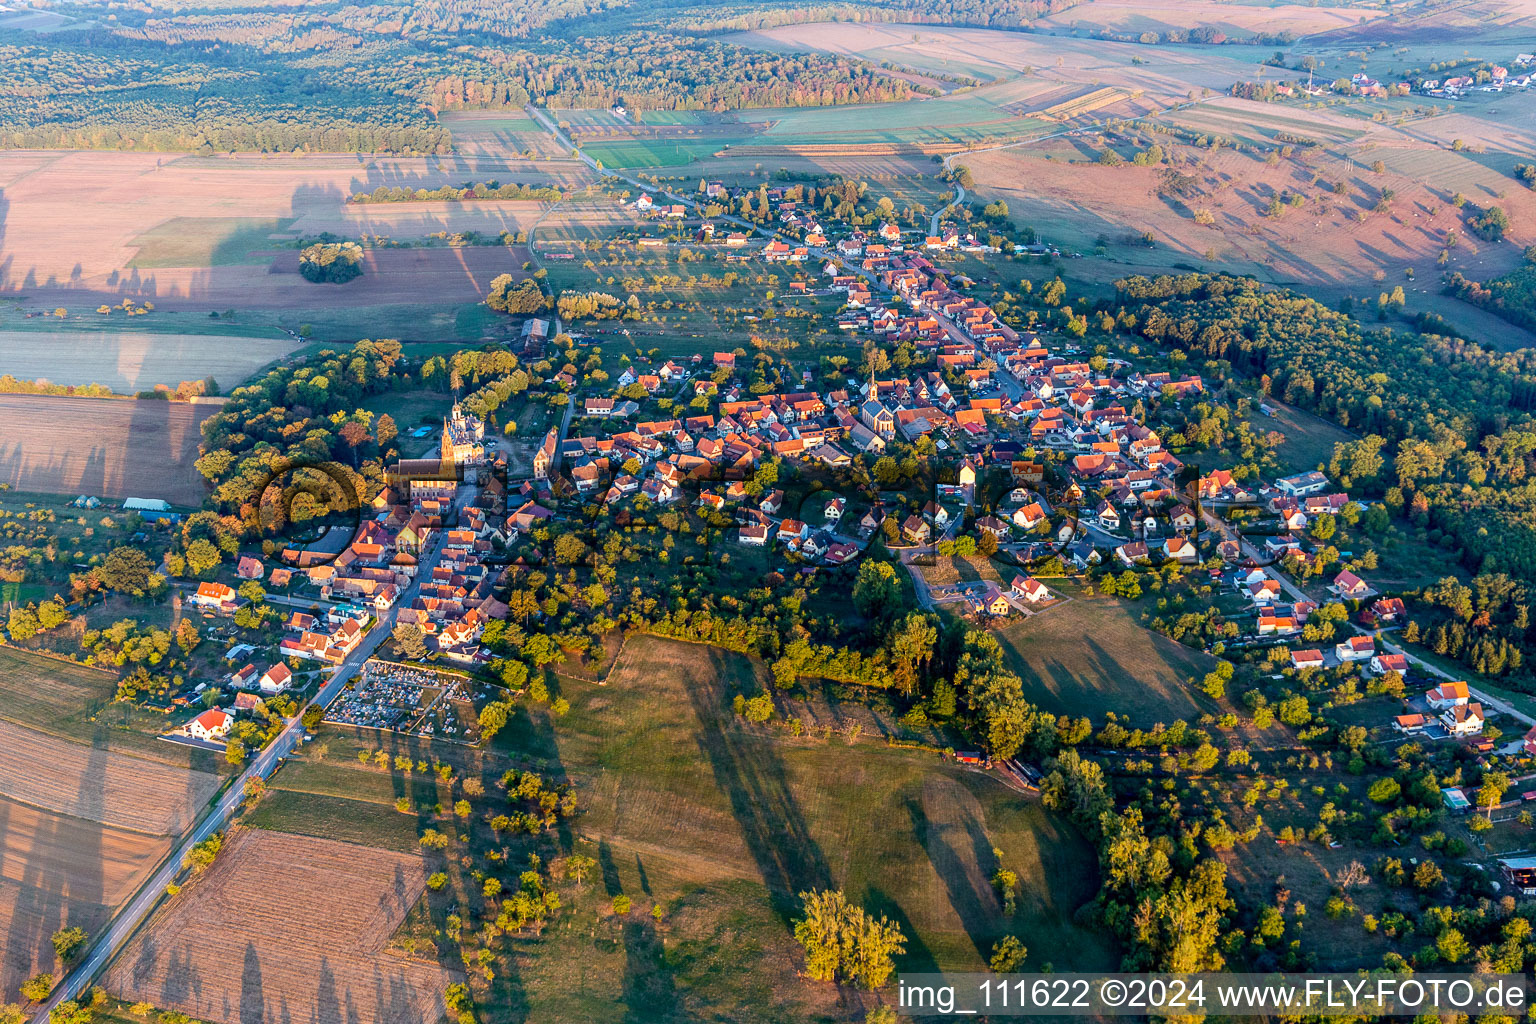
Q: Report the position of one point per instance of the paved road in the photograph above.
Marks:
(127, 921)
(1297, 594)
(933, 223)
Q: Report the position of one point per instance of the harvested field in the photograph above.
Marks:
(58, 871)
(97, 785)
(235, 948)
(75, 223)
(418, 220)
(1166, 75)
(134, 362)
(105, 447)
(1235, 19)
(48, 693)
(1090, 656)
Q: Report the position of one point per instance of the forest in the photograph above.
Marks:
(195, 77)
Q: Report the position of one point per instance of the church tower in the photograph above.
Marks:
(447, 462)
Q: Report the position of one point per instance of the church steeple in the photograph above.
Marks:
(446, 451)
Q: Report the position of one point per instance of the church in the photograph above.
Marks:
(430, 479)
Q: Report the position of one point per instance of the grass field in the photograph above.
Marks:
(1309, 440)
(657, 152)
(720, 824)
(205, 242)
(1090, 656)
(134, 362)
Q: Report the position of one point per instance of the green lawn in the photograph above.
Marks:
(656, 152)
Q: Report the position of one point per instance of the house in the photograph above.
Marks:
(834, 510)
(1463, 719)
(791, 529)
(212, 724)
(1356, 648)
(243, 678)
(217, 597)
(276, 679)
(1347, 584)
(771, 502)
(1387, 611)
(1528, 745)
(1108, 517)
(1302, 484)
(1381, 664)
(1180, 549)
(753, 535)
(1029, 517)
(1130, 554)
(1182, 518)
(1264, 592)
(1029, 589)
(1410, 725)
(1276, 625)
(915, 529)
(996, 527)
(250, 568)
(1447, 695)
(1304, 661)
(937, 514)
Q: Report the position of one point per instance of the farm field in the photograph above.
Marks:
(75, 223)
(503, 134)
(99, 785)
(51, 694)
(58, 871)
(104, 447)
(1090, 656)
(1165, 75)
(1235, 19)
(234, 948)
(206, 242)
(130, 362)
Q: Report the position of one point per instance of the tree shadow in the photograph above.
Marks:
(749, 771)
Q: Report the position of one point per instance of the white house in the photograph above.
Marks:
(1030, 589)
(1447, 695)
(1356, 648)
(1463, 719)
(212, 724)
(276, 679)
